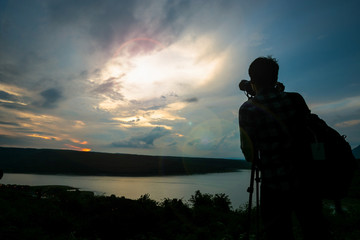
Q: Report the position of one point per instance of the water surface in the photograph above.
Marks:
(233, 184)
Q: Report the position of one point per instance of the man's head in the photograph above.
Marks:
(263, 72)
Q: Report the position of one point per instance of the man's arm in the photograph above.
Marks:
(246, 142)
(246, 146)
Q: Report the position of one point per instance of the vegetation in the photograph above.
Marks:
(64, 213)
(59, 212)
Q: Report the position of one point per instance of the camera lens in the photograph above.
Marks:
(244, 85)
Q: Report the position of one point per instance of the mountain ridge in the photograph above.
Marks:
(70, 162)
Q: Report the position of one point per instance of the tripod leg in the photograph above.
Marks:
(257, 179)
(250, 190)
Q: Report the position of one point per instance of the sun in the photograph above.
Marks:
(147, 72)
(157, 72)
(146, 86)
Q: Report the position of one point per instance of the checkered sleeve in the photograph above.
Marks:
(247, 132)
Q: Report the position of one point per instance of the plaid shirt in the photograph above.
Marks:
(270, 123)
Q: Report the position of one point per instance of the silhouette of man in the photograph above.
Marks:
(271, 124)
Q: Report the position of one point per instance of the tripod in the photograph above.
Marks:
(245, 85)
(255, 176)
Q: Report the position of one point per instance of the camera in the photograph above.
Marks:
(245, 86)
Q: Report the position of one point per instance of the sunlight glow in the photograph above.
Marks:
(108, 104)
(178, 69)
(166, 71)
(146, 87)
(79, 124)
(72, 147)
(129, 45)
(7, 101)
(139, 122)
(44, 137)
(79, 142)
(153, 117)
(39, 119)
(13, 90)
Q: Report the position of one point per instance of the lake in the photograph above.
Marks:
(233, 184)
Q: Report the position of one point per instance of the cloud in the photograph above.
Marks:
(191, 100)
(100, 69)
(13, 105)
(62, 54)
(111, 88)
(51, 97)
(348, 103)
(12, 97)
(6, 140)
(144, 141)
(104, 22)
(9, 123)
(8, 72)
(23, 141)
(349, 123)
(5, 96)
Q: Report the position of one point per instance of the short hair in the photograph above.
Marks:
(264, 71)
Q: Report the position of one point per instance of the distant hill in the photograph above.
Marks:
(356, 152)
(50, 161)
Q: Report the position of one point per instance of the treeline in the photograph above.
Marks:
(59, 213)
(50, 161)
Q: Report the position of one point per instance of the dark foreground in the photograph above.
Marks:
(58, 212)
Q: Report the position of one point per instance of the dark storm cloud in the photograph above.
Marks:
(6, 140)
(109, 22)
(7, 69)
(104, 21)
(191, 100)
(9, 123)
(154, 107)
(144, 141)
(177, 13)
(9, 72)
(26, 141)
(50, 98)
(15, 105)
(7, 96)
(175, 10)
(23, 72)
(194, 142)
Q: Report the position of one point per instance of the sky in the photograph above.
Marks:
(160, 77)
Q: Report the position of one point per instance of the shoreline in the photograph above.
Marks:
(124, 175)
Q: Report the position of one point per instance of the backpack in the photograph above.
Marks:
(330, 160)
